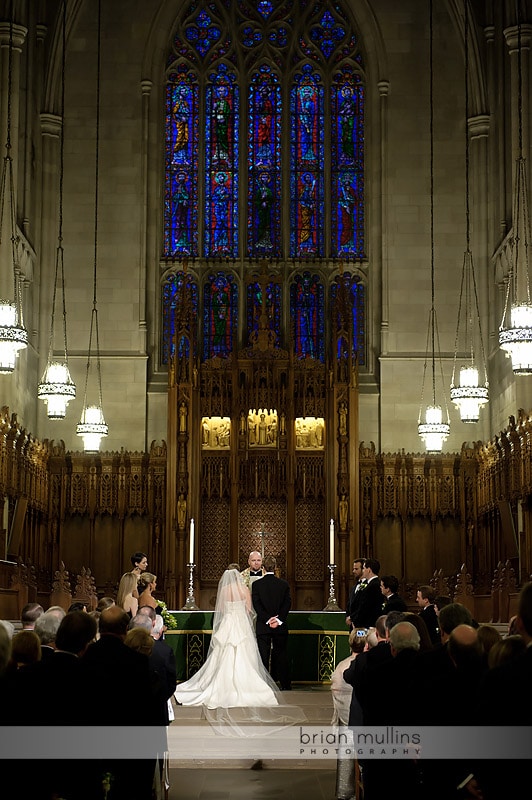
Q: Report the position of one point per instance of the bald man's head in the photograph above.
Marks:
(465, 649)
(114, 620)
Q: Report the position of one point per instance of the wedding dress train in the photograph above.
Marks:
(233, 685)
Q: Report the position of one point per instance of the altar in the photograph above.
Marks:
(317, 641)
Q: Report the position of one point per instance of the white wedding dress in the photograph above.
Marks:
(232, 675)
(233, 685)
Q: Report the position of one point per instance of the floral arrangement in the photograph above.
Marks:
(169, 620)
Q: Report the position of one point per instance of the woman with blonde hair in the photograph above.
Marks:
(140, 640)
(147, 585)
(124, 597)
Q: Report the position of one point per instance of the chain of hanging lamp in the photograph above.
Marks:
(92, 426)
(433, 431)
(468, 396)
(13, 335)
(56, 387)
(516, 338)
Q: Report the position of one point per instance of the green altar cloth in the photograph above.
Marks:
(317, 641)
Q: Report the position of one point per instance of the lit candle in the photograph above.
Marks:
(191, 543)
(331, 542)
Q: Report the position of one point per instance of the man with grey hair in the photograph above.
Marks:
(46, 628)
(385, 699)
(403, 636)
(141, 621)
(10, 628)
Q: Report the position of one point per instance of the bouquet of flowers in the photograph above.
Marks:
(169, 620)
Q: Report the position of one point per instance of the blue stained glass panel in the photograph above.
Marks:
(220, 315)
(307, 166)
(348, 166)
(264, 156)
(265, 8)
(181, 199)
(203, 34)
(355, 291)
(172, 293)
(307, 311)
(328, 34)
(222, 148)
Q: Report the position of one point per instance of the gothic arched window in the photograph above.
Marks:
(348, 296)
(173, 292)
(220, 315)
(307, 312)
(264, 160)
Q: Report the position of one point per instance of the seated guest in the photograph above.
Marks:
(418, 622)
(148, 611)
(341, 691)
(46, 629)
(116, 676)
(488, 635)
(163, 658)
(104, 602)
(5, 649)
(9, 627)
(29, 615)
(504, 698)
(26, 649)
(140, 640)
(505, 650)
(77, 605)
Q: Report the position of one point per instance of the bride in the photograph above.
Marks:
(233, 684)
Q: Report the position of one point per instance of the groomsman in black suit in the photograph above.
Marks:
(392, 601)
(354, 594)
(425, 596)
(369, 607)
(272, 602)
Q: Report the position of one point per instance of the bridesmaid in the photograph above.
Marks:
(125, 597)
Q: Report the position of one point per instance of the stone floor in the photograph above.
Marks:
(235, 776)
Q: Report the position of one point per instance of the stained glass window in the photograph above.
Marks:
(347, 104)
(173, 289)
(221, 185)
(264, 157)
(264, 160)
(220, 315)
(307, 312)
(181, 198)
(354, 300)
(306, 157)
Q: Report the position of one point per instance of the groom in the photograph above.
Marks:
(272, 601)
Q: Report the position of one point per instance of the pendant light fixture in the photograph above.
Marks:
(515, 330)
(92, 426)
(13, 335)
(57, 387)
(468, 396)
(434, 430)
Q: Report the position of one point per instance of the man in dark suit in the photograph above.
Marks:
(163, 659)
(425, 599)
(354, 594)
(392, 600)
(121, 692)
(272, 602)
(369, 607)
(504, 698)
